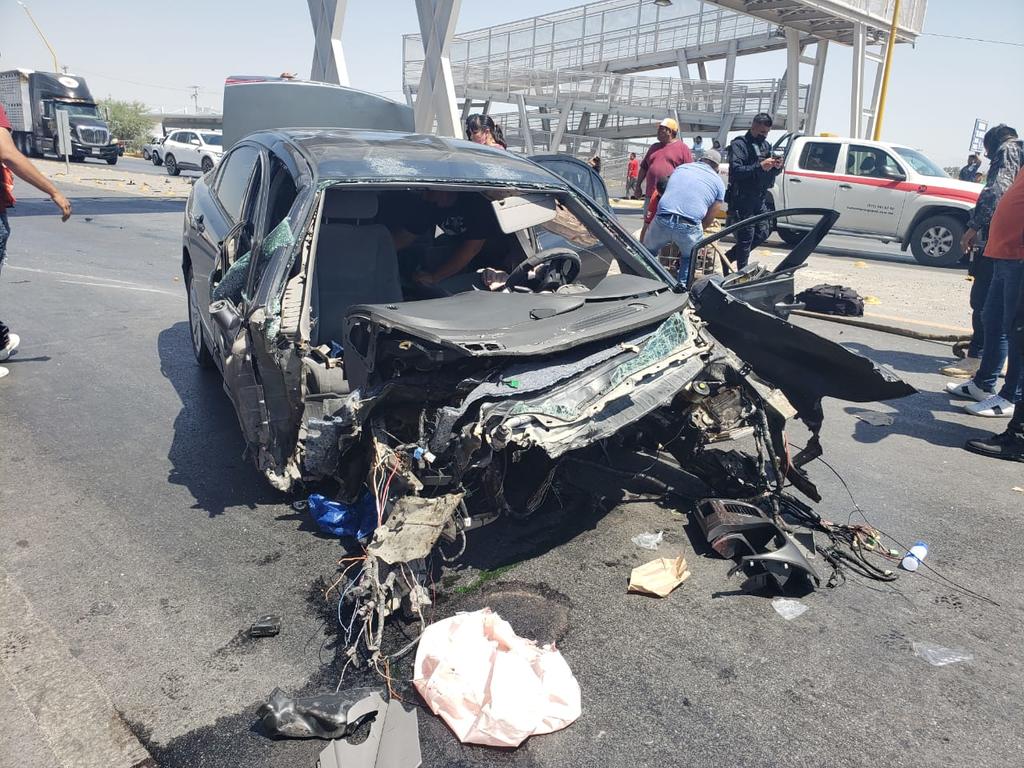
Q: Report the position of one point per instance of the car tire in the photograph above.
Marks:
(207, 165)
(195, 326)
(171, 165)
(936, 241)
(790, 236)
(156, 159)
(145, 154)
(112, 160)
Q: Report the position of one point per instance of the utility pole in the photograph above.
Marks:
(195, 97)
(890, 43)
(53, 53)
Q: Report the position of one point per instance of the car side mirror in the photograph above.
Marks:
(896, 176)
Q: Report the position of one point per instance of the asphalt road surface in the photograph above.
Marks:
(142, 544)
(125, 163)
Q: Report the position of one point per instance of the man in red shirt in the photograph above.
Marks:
(663, 157)
(11, 160)
(1005, 246)
(632, 171)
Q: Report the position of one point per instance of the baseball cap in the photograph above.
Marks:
(712, 156)
(669, 123)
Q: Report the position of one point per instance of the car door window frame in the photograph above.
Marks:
(265, 225)
(863, 149)
(225, 167)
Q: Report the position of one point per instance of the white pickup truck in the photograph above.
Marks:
(882, 191)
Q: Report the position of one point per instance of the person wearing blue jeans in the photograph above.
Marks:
(692, 196)
(13, 163)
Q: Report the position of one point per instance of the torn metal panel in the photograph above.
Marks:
(413, 527)
(394, 740)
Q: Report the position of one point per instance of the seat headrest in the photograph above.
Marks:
(350, 205)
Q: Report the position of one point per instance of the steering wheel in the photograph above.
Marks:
(569, 266)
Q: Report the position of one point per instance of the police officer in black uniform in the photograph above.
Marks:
(752, 171)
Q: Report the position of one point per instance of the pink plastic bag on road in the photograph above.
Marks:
(490, 685)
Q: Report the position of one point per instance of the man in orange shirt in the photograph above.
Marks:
(632, 172)
(1006, 246)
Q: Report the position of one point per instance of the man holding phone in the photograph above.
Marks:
(752, 172)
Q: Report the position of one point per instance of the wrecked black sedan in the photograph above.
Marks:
(441, 329)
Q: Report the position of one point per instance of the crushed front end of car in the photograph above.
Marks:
(449, 431)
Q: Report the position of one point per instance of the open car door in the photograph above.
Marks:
(771, 290)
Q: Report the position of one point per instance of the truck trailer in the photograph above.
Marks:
(31, 100)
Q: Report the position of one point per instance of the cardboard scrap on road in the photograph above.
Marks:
(658, 577)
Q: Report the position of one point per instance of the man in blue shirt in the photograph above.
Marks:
(694, 194)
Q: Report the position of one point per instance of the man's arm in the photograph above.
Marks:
(741, 167)
(464, 254)
(710, 215)
(23, 169)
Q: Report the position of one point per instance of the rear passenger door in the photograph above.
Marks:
(812, 183)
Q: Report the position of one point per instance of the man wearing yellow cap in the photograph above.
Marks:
(663, 157)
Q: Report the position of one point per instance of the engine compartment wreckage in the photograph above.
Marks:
(447, 439)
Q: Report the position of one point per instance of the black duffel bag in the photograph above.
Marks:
(832, 300)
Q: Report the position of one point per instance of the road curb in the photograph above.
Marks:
(884, 328)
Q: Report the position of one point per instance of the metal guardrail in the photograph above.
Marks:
(596, 33)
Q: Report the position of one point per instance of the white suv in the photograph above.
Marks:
(883, 191)
(191, 150)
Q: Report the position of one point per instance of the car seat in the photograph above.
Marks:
(356, 262)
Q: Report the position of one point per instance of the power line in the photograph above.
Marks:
(145, 85)
(972, 39)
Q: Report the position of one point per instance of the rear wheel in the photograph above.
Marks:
(172, 166)
(145, 154)
(207, 165)
(195, 326)
(936, 241)
(790, 236)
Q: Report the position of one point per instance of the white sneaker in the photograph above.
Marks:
(13, 340)
(3, 371)
(968, 390)
(994, 407)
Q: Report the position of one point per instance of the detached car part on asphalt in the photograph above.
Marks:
(456, 409)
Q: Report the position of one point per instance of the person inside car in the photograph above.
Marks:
(469, 234)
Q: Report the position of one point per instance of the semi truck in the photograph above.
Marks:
(31, 100)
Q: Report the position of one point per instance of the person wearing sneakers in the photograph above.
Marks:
(1005, 249)
(1008, 445)
(12, 161)
(1005, 152)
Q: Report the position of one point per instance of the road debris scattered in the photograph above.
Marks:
(658, 577)
(490, 685)
(789, 609)
(324, 715)
(938, 656)
(648, 540)
(266, 626)
(874, 418)
(393, 742)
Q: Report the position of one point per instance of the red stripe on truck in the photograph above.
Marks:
(903, 186)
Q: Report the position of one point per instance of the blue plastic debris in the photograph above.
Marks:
(336, 349)
(358, 520)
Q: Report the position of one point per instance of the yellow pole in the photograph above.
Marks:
(53, 53)
(885, 70)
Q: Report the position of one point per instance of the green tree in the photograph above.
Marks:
(128, 120)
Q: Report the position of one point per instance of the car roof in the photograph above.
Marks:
(350, 154)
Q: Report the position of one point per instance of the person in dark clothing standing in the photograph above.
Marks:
(971, 171)
(752, 171)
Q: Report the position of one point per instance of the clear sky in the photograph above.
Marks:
(153, 52)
